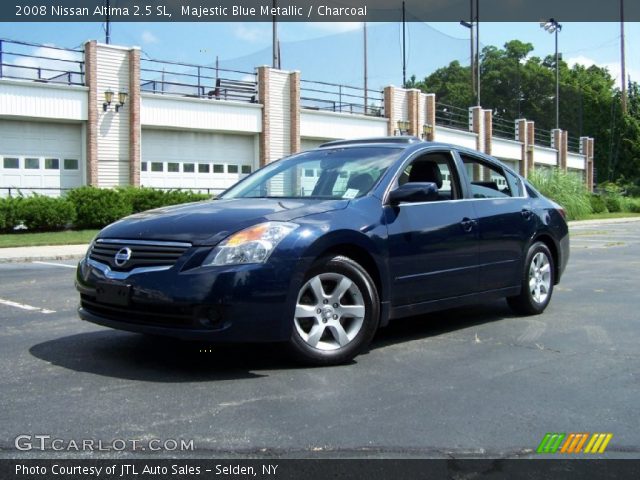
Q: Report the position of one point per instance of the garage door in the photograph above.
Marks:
(195, 160)
(40, 157)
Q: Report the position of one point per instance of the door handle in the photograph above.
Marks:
(526, 213)
(468, 224)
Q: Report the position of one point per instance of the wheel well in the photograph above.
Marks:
(362, 257)
(551, 245)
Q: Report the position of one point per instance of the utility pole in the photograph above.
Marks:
(275, 41)
(622, 59)
(477, 52)
(404, 50)
(472, 55)
(107, 39)
(366, 88)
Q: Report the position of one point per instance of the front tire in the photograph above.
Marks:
(537, 282)
(337, 312)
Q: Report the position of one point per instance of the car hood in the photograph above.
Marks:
(207, 223)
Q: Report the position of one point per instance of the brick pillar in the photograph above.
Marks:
(431, 116)
(91, 81)
(564, 150)
(477, 126)
(389, 111)
(556, 142)
(294, 90)
(488, 130)
(521, 136)
(413, 99)
(586, 148)
(263, 98)
(134, 116)
(531, 140)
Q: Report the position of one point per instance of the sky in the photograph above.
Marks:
(333, 51)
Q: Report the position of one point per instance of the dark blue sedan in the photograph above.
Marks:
(322, 248)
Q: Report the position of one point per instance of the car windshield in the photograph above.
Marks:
(330, 173)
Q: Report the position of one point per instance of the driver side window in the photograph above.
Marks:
(436, 168)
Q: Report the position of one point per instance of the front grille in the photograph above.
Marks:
(143, 253)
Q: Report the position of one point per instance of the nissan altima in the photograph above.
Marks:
(321, 249)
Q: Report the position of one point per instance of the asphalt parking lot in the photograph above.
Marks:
(472, 382)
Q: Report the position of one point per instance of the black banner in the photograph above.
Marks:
(277, 469)
(313, 10)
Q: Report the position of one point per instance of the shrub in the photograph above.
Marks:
(142, 198)
(43, 213)
(9, 213)
(598, 204)
(145, 198)
(566, 189)
(612, 194)
(96, 207)
(633, 205)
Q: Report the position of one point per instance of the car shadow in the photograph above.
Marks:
(132, 356)
(157, 359)
(441, 322)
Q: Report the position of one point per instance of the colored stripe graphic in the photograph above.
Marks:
(574, 442)
(551, 442)
(598, 443)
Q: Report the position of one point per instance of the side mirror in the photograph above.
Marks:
(413, 192)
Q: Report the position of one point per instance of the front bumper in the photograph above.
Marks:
(243, 303)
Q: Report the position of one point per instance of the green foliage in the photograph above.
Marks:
(41, 213)
(566, 189)
(612, 195)
(598, 204)
(96, 207)
(632, 205)
(144, 198)
(9, 213)
(516, 85)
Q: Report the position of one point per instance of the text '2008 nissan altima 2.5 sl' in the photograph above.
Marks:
(322, 248)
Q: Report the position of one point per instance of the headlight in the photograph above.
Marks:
(251, 245)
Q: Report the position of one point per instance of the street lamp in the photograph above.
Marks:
(552, 26)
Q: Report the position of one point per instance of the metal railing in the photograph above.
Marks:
(504, 128)
(333, 97)
(573, 144)
(542, 138)
(452, 116)
(188, 80)
(41, 63)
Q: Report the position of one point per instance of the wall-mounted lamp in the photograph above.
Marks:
(122, 99)
(403, 127)
(427, 130)
(108, 98)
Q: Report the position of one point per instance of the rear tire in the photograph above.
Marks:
(537, 282)
(337, 312)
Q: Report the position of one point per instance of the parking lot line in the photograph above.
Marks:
(23, 306)
(55, 264)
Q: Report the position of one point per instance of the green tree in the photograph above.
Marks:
(516, 85)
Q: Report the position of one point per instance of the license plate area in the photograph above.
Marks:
(113, 294)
